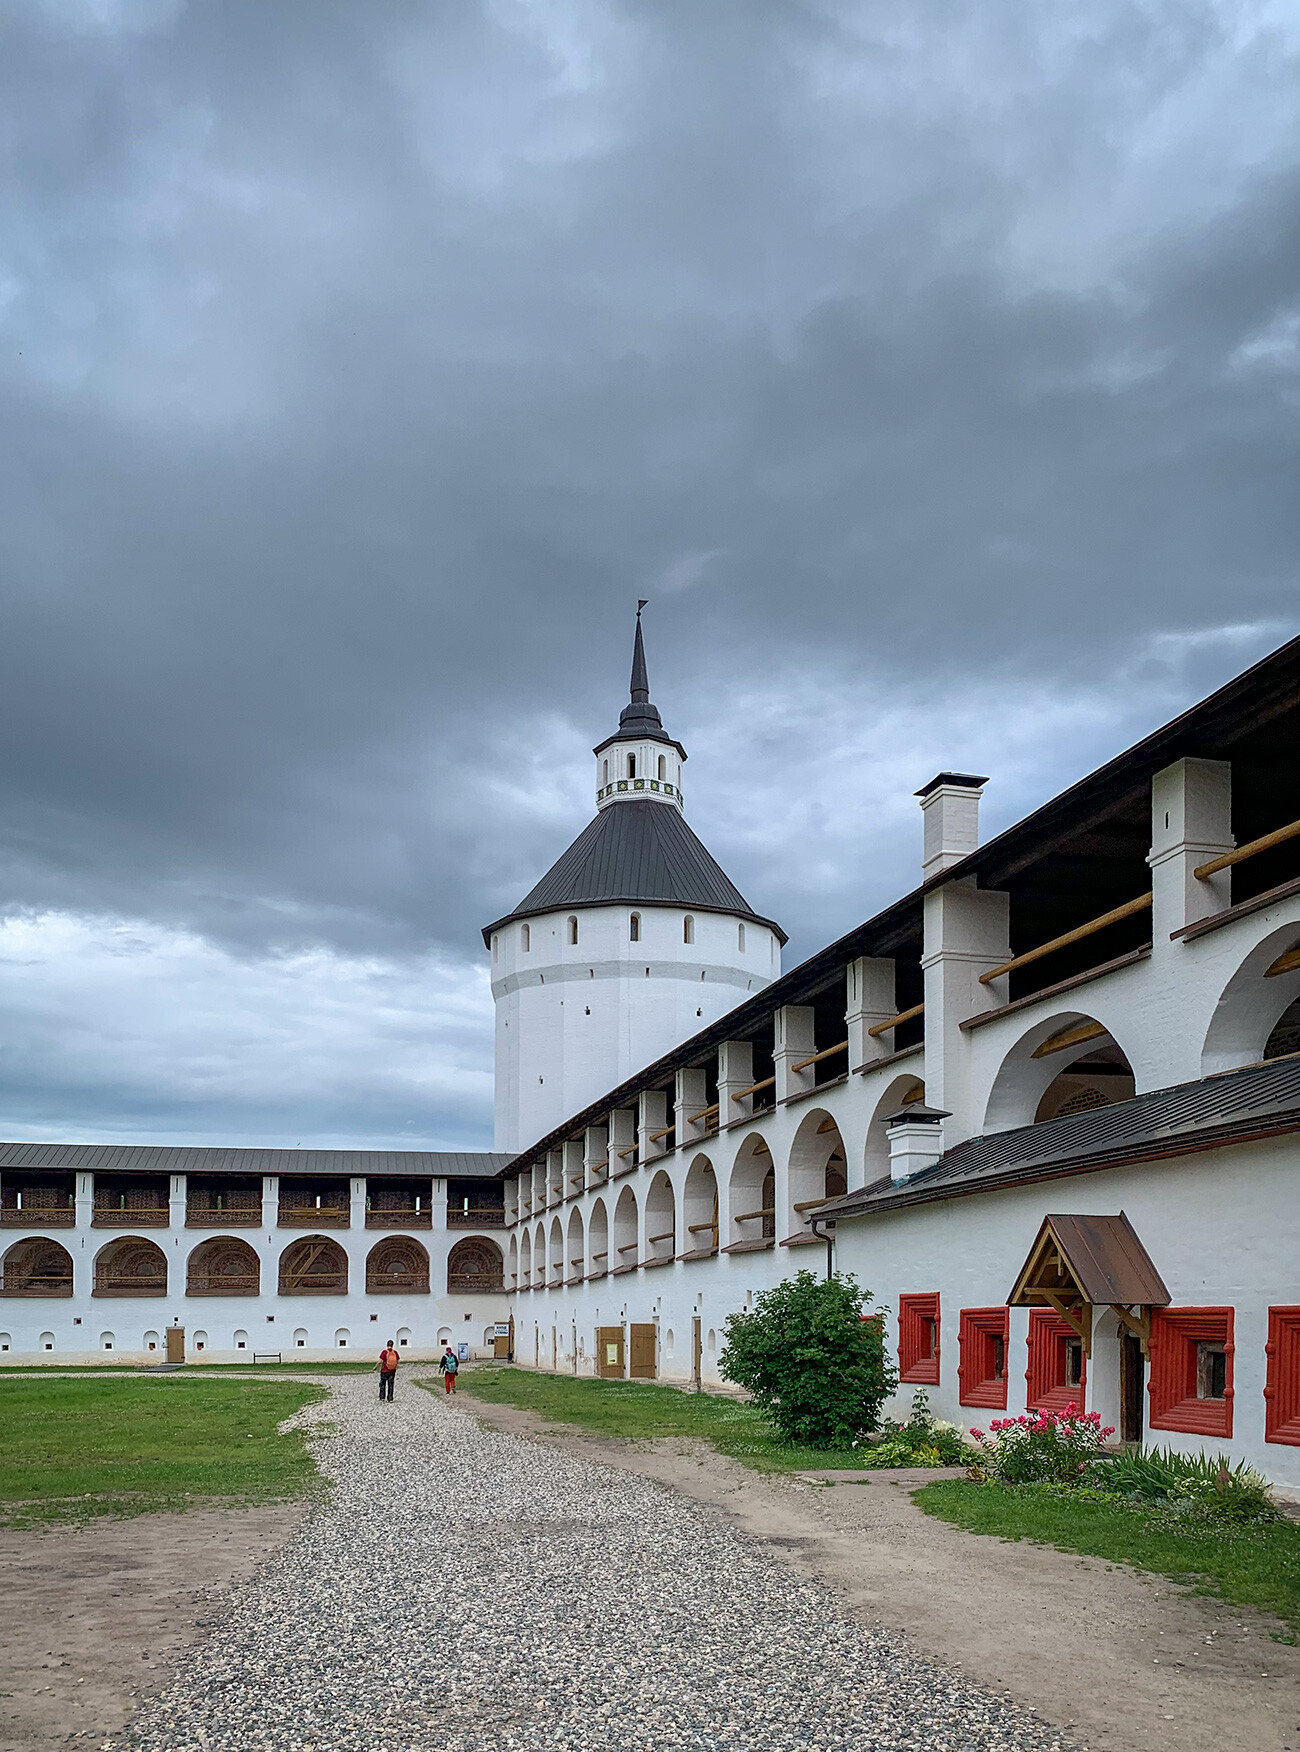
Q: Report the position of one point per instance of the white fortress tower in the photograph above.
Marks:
(632, 942)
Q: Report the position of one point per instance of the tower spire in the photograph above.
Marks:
(639, 717)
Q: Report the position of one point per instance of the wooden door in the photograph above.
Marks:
(609, 1352)
(1132, 1379)
(501, 1348)
(175, 1344)
(697, 1353)
(642, 1351)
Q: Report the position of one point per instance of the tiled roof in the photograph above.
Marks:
(1230, 1108)
(186, 1159)
(636, 851)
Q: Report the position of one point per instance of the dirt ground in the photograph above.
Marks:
(1130, 1662)
(93, 1616)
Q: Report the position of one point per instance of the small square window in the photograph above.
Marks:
(1191, 1370)
(301, 1343)
(1211, 1371)
(918, 1338)
(241, 1345)
(1057, 1375)
(1282, 1377)
(373, 1319)
(76, 1320)
(982, 1357)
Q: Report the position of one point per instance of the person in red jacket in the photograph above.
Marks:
(387, 1366)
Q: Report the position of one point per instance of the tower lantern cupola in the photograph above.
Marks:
(640, 760)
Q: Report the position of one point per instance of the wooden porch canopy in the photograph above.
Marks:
(1077, 1264)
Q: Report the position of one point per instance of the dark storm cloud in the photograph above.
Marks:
(361, 365)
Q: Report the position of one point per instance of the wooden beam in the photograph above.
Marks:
(1285, 963)
(895, 1021)
(1069, 1037)
(817, 1057)
(753, 1088)
(1080, 1321)
(1264, 843)
(1141, 904)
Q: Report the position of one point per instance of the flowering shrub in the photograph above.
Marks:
(924, 1440)
(1041, 1447)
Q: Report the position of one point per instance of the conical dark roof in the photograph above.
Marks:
(636, 852)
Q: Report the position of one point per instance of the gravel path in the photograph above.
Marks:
(470, 1592)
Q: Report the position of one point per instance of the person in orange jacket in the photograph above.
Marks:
(387, 1366)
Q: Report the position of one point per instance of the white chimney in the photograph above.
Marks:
(915, 1140)
(950, 804)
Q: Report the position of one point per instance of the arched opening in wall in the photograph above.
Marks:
(688, 929)
(700, 1210)
(904, 1091)
(526, 1262)
(575, 1258)
(342, 1338)
(604, 772)
(130, 1267)
(199, 1339)
(624, 1239)
(241, 1340)
(660, 1220)
(634, 928)
(598, 1240)
(539, 1257)
(313, 1266)
(1066, 1064)
(398, 1265)
(1257, 1016)
(224, 1266)
(512, 1266)
(740, 938)
(573, 929)
(151, 1341)
(525, 938)
(36, 1268)
(300, 1338)
(751, 1196)
(818, 1170)
(1285, 1038)
(1098, 1079)
(555, 1263)
(107, 1341)
(475, 1266)
(631, 766)
(663, 767)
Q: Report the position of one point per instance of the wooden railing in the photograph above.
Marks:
(30, 1216)
(399, 1219)
(490, 1217)
(1113, 917)
(107, 1216)
(204, 1216)
(314, 1217)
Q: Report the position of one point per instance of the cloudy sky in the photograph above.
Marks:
(933, 370)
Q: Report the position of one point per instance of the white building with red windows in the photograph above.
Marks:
(1046, 1107)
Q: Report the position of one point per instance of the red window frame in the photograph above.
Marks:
(1046, 1388)
(915, 1361)
(976, 1331)
(1282, 1377)
(1171, 1389)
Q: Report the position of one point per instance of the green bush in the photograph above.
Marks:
(813, 1360)
(1198, 1487)
(924, 1440)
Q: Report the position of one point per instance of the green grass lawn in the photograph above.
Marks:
(643, 1409)
(1249, 1566)
(72, 1449)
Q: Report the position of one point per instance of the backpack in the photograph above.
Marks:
(451, 1365)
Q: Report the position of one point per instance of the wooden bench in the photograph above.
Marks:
(266, 1356)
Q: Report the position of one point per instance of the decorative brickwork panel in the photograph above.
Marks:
(1058, 1369)
(918, 1339)
(1282, 1381)
(1191, 1371)
(982, 1339)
